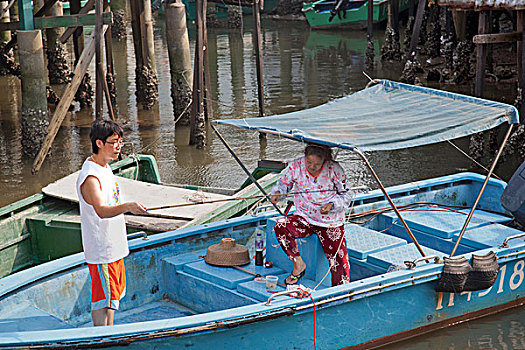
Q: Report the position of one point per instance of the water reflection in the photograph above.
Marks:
(503, 331)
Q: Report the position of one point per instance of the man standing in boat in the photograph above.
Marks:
(321, 198)
(102, 221)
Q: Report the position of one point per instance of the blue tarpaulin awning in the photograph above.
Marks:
(386, 116)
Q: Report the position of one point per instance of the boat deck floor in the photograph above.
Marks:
(156, 310)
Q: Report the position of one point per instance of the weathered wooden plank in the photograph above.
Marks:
(69, 31)
(65, 101)
(497, 38)
(233, 2)
(59, 21)
(483, 5)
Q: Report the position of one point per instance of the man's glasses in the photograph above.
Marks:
(119, 142)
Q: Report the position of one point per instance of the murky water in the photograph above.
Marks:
(302, 69)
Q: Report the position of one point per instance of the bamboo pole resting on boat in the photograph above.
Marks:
(358, 152)
(243, 167)
(487, 178)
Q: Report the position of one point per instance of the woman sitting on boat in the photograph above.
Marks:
(321, 197)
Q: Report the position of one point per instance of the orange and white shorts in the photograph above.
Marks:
(108, 284)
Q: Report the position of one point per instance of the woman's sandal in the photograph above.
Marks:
(294, 278)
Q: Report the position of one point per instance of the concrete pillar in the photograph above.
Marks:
(180, 61)
(33, 82)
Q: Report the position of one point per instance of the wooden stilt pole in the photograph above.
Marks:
(370, 25)
(395, 16)
(258, 55)
(207, 102)
(522, 63)
(417, 27)
(481, 54)
(99, 90)
(197, 117)
(110, 72)
(519, 48)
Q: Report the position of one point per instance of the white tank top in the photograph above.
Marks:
(104, 240)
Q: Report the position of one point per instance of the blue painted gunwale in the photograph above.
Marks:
(394, 294)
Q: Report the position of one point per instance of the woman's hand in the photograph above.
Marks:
(327, 207)
(274, 198)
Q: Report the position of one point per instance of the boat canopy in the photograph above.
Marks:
(386, 116)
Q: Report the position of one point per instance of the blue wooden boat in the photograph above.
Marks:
(176, 300)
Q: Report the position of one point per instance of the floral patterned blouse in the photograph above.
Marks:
(312, 192)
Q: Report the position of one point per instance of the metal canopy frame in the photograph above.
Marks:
(383, 189)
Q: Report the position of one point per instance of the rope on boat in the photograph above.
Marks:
(472, 159)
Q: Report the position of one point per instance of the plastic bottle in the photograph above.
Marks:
(259, 246)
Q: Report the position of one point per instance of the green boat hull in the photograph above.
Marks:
(357, 17)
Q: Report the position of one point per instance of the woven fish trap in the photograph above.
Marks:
(227, 253)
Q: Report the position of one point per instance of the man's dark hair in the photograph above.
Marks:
(101, 129)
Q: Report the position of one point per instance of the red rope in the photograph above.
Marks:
(313, 302)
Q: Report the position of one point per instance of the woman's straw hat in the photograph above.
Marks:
(227, 253)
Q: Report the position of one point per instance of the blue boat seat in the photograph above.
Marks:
(228, 277)
(443, 223)
(213, 287)
(197, 292)
(361, 241)
(489, 236)
(311, 252)
(395, 257)
(444, 245)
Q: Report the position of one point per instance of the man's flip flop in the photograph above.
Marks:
(295, 278)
